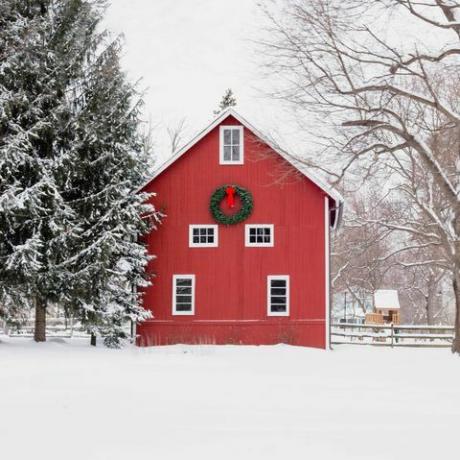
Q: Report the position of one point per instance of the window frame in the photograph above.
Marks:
(221, 145)
(247, 242)
(270, 278)
(191, 244)
(175, 312)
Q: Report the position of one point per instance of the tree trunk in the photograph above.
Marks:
(430, 304)
(93, 340)
(456, 286)
(427, 311)
(40, 320)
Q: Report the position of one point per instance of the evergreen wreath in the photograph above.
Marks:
(246, 204)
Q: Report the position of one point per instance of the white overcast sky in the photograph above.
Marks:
(187, 53)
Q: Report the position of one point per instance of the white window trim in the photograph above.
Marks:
(259, 245)
(278, 277)
(191, 244)
(221, 145)
(183, 313)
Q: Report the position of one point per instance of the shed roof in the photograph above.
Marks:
(386, 299)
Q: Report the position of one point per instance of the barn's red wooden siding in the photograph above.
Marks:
(231, 279)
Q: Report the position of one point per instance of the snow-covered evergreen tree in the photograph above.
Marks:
(69, 168)
(33, 107)
(108, 163)
(228, 100)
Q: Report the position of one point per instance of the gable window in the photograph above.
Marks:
(259, 235)
(183, 294)
(231, 145)
(203, 236)
(278, 295)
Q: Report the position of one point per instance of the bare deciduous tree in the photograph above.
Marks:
(368, 255)
(376, 80)
(359, 262)
(424, 295)
(176, 134)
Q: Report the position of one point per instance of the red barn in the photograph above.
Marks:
(243, 252)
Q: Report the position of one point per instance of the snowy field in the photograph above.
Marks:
(64, 400)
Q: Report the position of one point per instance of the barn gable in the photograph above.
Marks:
(336, 206)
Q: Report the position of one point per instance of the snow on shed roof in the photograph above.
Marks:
(334, 194)
(386, 298)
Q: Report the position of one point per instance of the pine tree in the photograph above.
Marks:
(33, 107)
(108, 164)
(228, 100)
(69, 214)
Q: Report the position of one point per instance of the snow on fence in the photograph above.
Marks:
(389, 335)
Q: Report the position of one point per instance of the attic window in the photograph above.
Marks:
(231, 145)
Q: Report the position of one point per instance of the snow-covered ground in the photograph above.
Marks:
(68, 401)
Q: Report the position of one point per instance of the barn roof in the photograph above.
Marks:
(296, 163)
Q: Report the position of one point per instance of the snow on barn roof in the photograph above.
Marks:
(331, 192)
(386, 298)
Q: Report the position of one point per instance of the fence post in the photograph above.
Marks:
(392, 335)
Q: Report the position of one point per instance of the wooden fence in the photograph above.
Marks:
(55, 327)
(390, 335)
(58, 327)
(384, 335)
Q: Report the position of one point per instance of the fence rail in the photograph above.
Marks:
(55, 327)
(390, 335)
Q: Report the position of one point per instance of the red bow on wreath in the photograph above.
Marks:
(230, 192)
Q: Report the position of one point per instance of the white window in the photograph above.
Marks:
(260, 235)
(278, 295)
(231, 145)
(203, 236)
(183, 294)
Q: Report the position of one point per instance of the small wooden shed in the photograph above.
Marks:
(386, 307)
